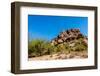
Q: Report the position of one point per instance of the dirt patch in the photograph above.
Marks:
(58, 56)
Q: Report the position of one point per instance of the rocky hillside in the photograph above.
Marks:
(68, 44)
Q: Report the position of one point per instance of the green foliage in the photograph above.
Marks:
(80, 45)
(41, 47)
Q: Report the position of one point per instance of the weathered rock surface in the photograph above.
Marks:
(69, 35)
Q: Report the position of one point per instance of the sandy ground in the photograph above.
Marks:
(71, 55)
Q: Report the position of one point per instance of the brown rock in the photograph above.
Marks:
(67, 36)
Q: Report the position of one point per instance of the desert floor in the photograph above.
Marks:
(58, 56)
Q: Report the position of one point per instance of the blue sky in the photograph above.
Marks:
(48, 27)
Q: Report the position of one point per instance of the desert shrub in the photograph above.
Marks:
(59, 48)
(39, 47)
(35, 47)
(63, 48)
(79, 45)
(47, 48)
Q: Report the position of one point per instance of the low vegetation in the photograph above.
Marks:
(40, 47)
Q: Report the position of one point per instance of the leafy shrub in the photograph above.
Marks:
(39, 47)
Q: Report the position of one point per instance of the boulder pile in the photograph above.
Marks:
(67, 36)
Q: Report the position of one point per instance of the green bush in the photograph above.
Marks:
(39, 47)
(79, 45)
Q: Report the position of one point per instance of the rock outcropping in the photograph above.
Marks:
(69, 35)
